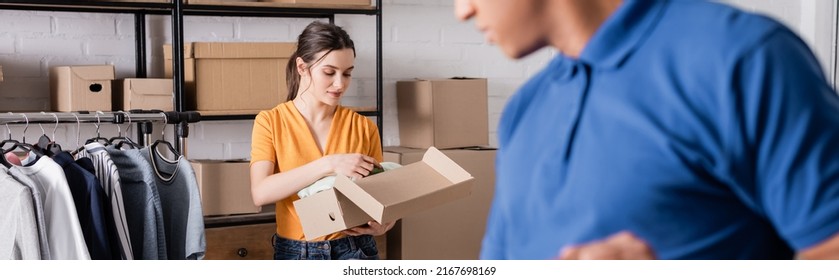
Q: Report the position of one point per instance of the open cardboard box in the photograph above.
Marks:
(384, 197)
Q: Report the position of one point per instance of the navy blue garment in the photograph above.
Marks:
(709, 132)
(110, 226)
(91, 207)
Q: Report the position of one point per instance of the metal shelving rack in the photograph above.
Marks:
(177, 10)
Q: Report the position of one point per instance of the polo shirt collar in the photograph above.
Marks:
(622, 33)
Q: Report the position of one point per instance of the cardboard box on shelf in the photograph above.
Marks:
(219, 1)
(189, 73)
(417, 236)
(137, 1)
(384, 197)
(235, 76)
(81, 88)
(167, 57)
(323, 2)
(225, 187)
(444, 113)
(146, 94)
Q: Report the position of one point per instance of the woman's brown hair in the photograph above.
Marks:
(316, 37)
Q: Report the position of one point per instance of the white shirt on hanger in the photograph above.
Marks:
(64, 233)
(19, 233)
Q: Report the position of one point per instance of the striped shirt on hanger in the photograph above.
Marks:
(109, 178)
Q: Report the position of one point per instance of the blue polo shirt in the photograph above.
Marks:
(709, 132)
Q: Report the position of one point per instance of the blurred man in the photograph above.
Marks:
(664, 129)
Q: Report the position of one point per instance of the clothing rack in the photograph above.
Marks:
(143, 119)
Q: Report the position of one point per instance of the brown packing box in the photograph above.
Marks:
(137, 1)
(167, 57)
(1, 73)
(146, 94)
(240, 76)
(225, 187)
(81, 88)
(324, 2)
(384, 197)
(417, 236)
(189, 72)
(444, 113)
(218, 1)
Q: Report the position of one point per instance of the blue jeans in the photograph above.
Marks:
(348, 248)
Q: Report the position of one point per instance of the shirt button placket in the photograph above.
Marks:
(581, 79)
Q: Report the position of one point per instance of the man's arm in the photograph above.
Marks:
(620, 246)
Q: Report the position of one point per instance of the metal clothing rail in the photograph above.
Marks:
(143, 119)
(94, 117)
(119, 117)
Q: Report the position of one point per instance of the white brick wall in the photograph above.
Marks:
(421, 38)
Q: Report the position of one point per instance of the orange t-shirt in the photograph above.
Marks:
(281, 136)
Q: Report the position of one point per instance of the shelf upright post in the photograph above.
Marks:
(140, 71)
(140, 43)
(178, 61)
(144, 133)
(182, 132)
(379, 70)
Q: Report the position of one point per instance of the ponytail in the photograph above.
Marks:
(292, 77)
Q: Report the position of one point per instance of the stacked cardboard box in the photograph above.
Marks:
(233, 77)
(451, 114)
(453, 230)
(444, 113)
(306, 3)
(143, 94)
(138, 1)
(323, 2)
(220, 1)
(225, 187)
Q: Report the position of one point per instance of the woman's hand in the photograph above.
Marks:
(354, 166)
(372, 228)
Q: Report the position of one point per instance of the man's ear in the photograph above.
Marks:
(302, 68)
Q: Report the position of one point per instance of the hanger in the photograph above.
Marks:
(3, 151)
(44, 140)
(54, 147)
(45, 145)
(78, 136)
(163, 141)
(98, 138)
(28, 147)
(17, 144)
(123, 140)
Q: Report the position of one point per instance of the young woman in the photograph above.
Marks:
(311, 136)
